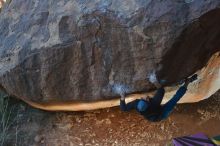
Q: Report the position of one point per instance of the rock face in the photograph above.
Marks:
(78, 50)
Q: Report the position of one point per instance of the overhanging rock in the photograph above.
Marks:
(68, 54)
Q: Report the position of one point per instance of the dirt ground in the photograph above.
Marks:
(33, 127)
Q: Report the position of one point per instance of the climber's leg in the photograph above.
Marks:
(169, 106)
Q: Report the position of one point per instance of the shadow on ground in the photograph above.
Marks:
(32, 127)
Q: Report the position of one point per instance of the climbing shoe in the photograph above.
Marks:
(192, 78)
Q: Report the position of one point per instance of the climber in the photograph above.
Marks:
(151, 108)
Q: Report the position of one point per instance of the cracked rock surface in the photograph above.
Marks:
(71, 50)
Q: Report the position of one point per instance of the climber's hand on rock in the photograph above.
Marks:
(122, 96)
(158, 85)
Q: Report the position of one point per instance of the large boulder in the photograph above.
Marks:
(58, 52)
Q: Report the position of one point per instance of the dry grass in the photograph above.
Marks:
(5, 117)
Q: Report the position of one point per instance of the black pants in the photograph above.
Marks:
(169, 106)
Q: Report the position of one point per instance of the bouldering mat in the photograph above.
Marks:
(199, 139)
